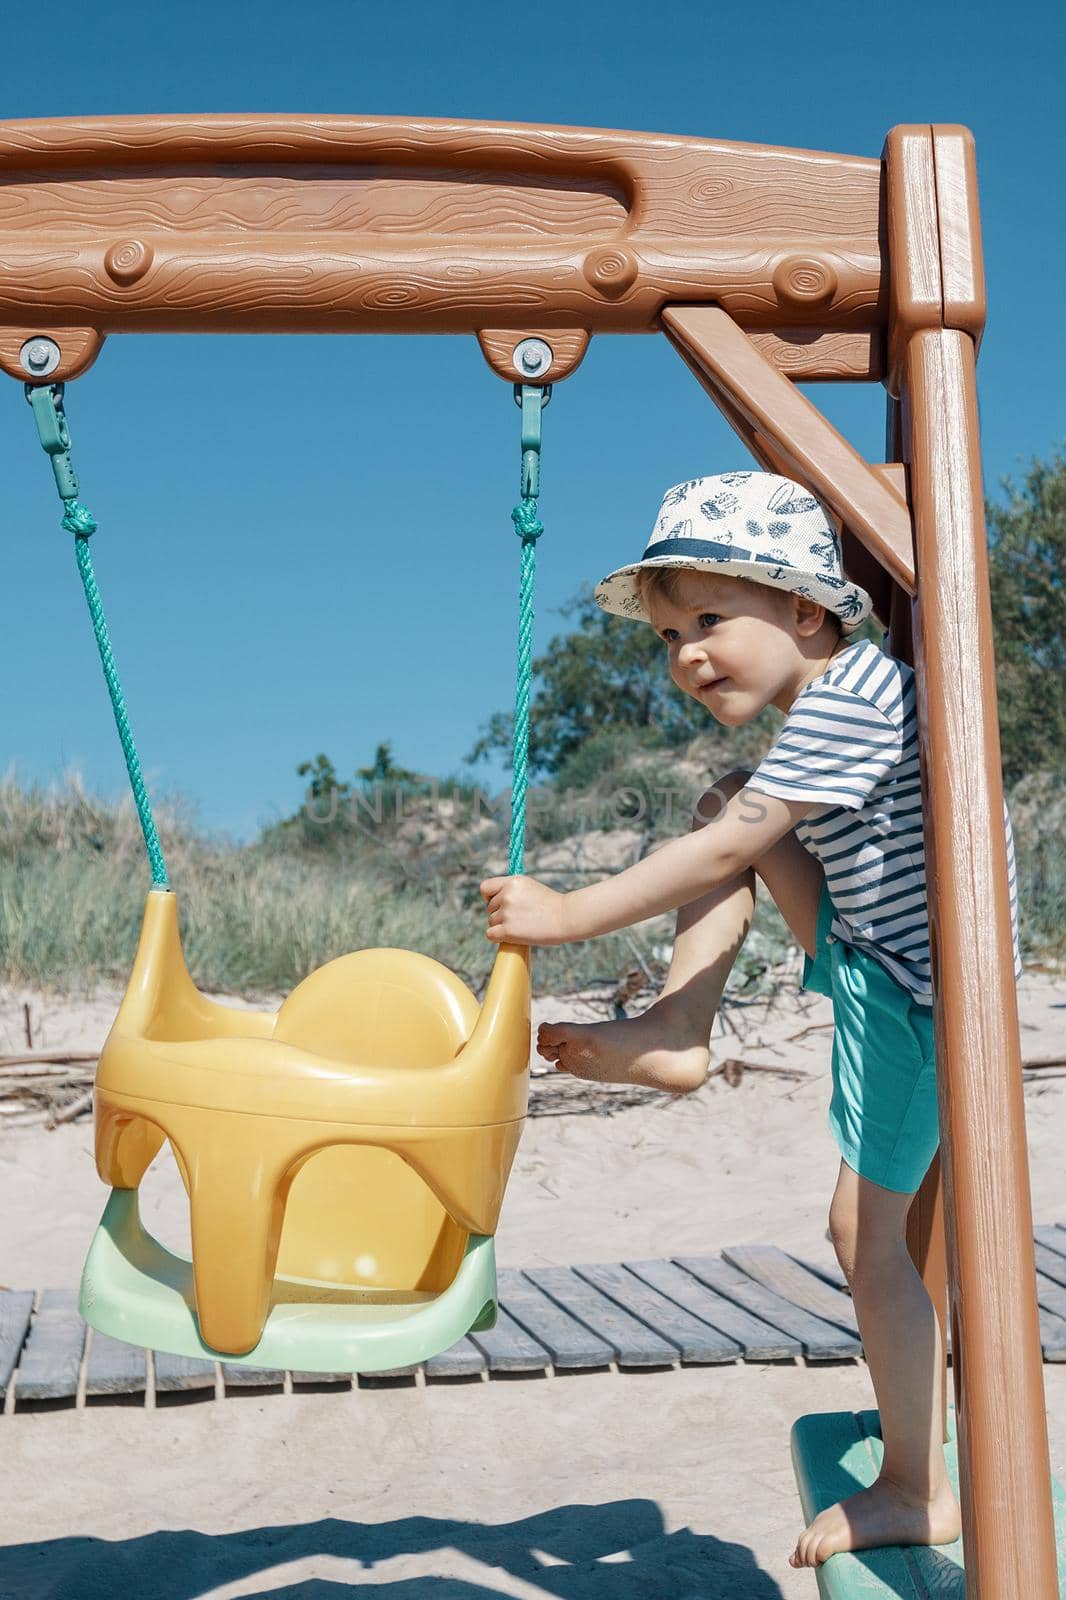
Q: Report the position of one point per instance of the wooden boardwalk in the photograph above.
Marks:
(751, 1303)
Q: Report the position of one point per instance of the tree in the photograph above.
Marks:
(385, 770)
(323, 782)
(1027, 558)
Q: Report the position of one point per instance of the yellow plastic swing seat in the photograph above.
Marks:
(345, 1158)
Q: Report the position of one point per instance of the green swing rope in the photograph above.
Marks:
(47, 403)
(529, 528)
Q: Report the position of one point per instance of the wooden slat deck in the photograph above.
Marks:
(777, 1271)
(633, 1343)
(50, 1363)
(182, 1374)
(753, 1339)
(113, 1367)
(752, 1303)
(509, 1348)
(16, 1308)
(694, 1339)
(821, 1341)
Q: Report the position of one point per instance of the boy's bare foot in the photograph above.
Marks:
(663, 1048)
(880, 1515)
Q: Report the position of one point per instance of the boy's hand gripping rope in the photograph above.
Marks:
(47, 403)
(528, 526)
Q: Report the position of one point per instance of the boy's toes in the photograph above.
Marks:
(804, 1555)
(551, 1036)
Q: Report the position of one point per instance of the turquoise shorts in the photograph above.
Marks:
(883, 1113)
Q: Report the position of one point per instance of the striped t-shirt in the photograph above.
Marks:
(850, 744)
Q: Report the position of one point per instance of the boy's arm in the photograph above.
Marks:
(523, 911)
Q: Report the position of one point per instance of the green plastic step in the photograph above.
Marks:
(836, 1454)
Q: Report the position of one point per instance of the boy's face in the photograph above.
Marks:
(733, 646)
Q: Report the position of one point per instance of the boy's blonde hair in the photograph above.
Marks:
(665, 583)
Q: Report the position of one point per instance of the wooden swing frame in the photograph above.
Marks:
(762, 266)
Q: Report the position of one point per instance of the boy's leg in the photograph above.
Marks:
(912, 1501)
(667, 1046)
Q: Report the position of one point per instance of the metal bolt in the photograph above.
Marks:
(39, 357)
(533, 357)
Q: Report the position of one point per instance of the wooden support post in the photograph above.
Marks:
(1008, 1531)
(925, 1222)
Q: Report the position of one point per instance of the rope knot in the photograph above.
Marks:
(78, 519)
(527, 523)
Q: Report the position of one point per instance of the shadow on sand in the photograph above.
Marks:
(618, 1551)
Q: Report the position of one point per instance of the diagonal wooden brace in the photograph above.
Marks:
(784, 430)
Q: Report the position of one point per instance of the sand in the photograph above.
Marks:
(596, 1487)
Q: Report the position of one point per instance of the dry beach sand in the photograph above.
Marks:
(604, 1486)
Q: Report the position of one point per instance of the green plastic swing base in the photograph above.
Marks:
(135, 1289)
(840, 1452)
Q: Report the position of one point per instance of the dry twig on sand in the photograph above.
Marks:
(40, 1058)
(734, 1069)
(36, 1086)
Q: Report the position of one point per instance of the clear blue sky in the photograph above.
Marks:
(360, 584)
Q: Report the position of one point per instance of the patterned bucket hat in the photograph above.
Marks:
(744, 525)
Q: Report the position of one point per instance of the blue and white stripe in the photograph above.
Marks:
(850, 745)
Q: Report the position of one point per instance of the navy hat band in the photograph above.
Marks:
(708, 549)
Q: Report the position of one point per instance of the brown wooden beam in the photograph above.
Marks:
(326, 224)
(780, 424)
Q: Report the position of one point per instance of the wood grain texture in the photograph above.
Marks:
(697, 185)
(509, 1348)
(755, 1339)
(180, 1374)
(915, 289)
(16, 1306)
(570, 1344)
(464, 1359)
(269, 224)
(995, 1331)
(778, 1271)
(962, 266)
(828, 1271)
(809, 356)
(633, 1343)
(696, 1340)
(821, 1340)
(114, 1367)
(79, 346)
(734, 372)
(310, 283)
(299, 199)
(51, 1359)
(568, 346)
(238, 1377)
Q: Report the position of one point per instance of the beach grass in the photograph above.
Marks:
(258, 918)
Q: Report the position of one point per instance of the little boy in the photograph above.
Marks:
(743, 581)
